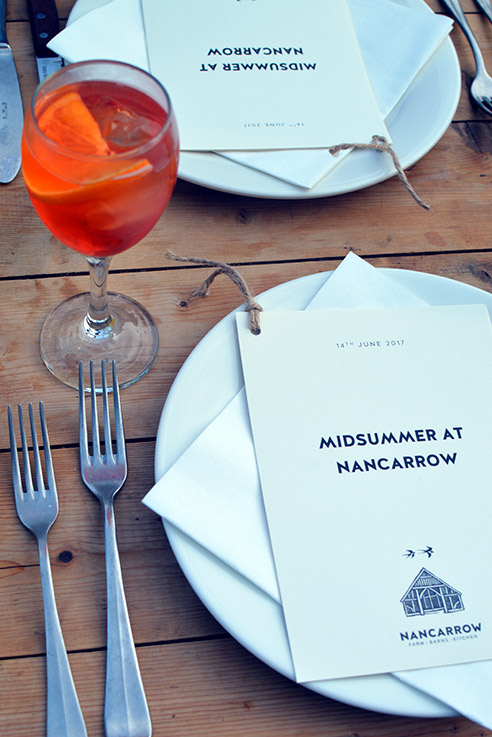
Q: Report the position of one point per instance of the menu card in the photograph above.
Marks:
(262, 74)
(373, 433)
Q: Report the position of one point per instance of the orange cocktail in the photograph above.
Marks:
(86, 188)
(100, 159)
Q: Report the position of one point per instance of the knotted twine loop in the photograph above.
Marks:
(380, 143)
(252, 308)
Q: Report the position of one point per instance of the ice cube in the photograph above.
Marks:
(124, 128)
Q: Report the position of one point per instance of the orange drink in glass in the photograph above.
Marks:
(100, 158)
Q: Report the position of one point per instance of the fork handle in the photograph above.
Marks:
(458, 14)
(126, 713)
(486, 7)
(64, 716)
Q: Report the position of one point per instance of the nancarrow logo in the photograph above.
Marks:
(463, 630)
(429, 594)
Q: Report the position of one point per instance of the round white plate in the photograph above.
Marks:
(207, 381)
(416, 124)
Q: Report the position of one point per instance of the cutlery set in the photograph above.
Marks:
(481, 86)
(104, 472)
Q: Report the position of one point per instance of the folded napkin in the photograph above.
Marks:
(395, 41)
(212, 493)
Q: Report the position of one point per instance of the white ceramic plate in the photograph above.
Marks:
(416, 124)
(207, 381)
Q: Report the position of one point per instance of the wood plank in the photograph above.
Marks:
(162, 607)
(210, 689)
(454, 178)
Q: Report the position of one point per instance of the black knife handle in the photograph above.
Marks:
(3, 26)
(43, 17)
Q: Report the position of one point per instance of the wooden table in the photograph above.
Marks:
(199, 680)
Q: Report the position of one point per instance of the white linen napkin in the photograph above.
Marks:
(395, 41)
(212, 493)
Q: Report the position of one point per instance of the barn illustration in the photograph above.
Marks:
(429, 594)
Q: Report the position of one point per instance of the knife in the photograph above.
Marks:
(11, 112)
(43, 18)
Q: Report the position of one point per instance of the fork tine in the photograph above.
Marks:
(106, 420)
(118, 418)
(96, 451)
(38, 470)
(50, 474)
(25, 454)
(83, 438)
(16, 476)
(486, 104)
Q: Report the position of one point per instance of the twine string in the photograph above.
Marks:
(380, 143)
(252, 307)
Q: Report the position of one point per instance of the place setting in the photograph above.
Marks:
(410, 62)
(208, 490)
(321, 458)
(103, 468)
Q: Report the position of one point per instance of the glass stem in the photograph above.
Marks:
(98, 317)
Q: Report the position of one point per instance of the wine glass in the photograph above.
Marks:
(100, 159)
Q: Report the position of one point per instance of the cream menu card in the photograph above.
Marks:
(262, 74)
(372, 432)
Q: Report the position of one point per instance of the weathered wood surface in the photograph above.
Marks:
(198, 679)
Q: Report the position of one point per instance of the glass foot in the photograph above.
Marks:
(130, 339)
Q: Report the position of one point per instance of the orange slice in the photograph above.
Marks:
(52, 190)
(68, 122)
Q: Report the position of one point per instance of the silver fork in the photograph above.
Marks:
(486, 7)
(481, 87)
(126, 713)
(38, 509)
